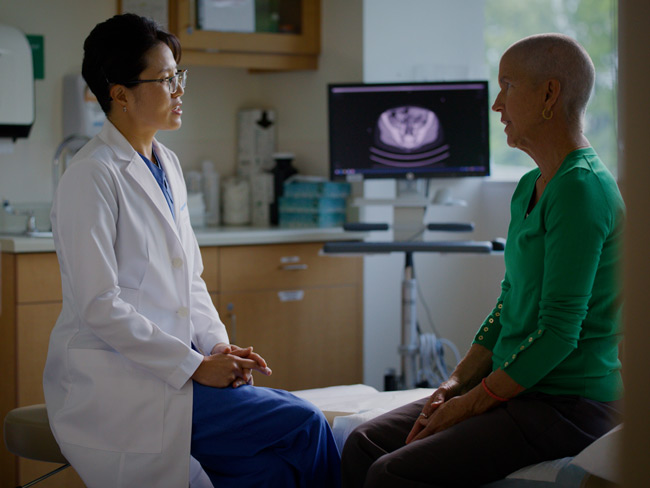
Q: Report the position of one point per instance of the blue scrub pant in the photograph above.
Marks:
(261, 437)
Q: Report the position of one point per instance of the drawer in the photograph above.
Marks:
(38, 278)
(284, 266)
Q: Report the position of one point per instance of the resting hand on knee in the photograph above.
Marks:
(444, 392)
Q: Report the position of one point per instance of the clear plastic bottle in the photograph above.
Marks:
(211, 194)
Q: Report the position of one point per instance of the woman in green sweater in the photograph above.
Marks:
(542, 378)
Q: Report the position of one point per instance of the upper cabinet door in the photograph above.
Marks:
(255, 34)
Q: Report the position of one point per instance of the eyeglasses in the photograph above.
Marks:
(180, 78)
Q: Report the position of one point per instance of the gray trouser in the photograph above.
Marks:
(526, 430)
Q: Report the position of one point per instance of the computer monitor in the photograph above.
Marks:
(408, 130)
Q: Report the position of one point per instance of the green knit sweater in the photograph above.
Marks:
(556, 325)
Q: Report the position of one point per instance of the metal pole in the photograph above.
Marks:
(409, 347)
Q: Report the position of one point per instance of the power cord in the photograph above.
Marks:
(433, 368)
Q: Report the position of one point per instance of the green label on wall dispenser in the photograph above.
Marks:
(37, 43)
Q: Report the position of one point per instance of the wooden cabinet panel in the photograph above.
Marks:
(284, 266)
(34, 322)
(38, 278)
(31, 303)
(310, 338)
(8, 386)
(210, 257)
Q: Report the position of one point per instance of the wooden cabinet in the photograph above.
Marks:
(292, 44)
(31, 303)
(301, 311)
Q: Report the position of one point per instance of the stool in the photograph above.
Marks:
(27, 434)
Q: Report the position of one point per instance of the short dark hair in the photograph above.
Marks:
(115, 50)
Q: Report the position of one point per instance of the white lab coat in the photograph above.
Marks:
(117, 379)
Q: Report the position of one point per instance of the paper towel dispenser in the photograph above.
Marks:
(16, 82)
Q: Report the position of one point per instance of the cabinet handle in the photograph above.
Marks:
(291, 295)
(294, 267)
(233, 323)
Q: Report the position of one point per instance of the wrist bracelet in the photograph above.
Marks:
(487, 390)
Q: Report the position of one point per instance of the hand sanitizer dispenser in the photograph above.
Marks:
(17, 82)
(82, 114)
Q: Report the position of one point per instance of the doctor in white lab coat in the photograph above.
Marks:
(137, 323)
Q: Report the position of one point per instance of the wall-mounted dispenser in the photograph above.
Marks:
(17, 82)
(82, 114)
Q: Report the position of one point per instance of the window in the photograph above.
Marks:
(594, 24)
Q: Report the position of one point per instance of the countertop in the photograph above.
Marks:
(208, 236)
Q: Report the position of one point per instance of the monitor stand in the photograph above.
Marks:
(409, 209)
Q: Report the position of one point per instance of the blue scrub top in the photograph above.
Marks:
(161, 179)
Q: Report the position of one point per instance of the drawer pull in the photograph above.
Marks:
(291, 295)
(294, 267)
(289, 259)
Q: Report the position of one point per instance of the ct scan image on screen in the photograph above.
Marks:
(408, 130)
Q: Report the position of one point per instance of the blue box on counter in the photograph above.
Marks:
(295, 220)
(311, 205)
(330, 189)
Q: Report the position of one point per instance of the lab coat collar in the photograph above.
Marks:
(138, 170)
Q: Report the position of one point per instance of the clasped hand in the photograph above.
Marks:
(442, 410)
(230, 365)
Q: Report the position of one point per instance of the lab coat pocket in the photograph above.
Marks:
(112, 404)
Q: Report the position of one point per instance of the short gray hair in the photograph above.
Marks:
(559, 56)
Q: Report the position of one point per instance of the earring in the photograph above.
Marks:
(545, 116)
(124, 109)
